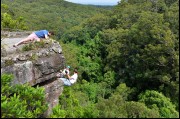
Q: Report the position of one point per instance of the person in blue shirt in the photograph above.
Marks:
(37, 35)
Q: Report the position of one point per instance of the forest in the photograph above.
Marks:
(127, 58)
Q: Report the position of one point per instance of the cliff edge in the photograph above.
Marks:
(34, 63)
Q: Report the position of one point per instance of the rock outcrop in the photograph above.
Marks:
(37, 66)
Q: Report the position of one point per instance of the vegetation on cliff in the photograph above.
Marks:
(21, 101)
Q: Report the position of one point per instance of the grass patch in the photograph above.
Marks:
(33, 57)
(34, 46)
(9, 62)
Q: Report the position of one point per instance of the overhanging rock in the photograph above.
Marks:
(36, 67)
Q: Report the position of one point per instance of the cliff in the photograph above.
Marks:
(35, 65)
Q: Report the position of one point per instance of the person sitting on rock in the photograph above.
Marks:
(35, 36)
(70, 79)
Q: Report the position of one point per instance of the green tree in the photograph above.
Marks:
(95, 24)
(111, 108)
(7, 20)
(59, 16)
(154, 99)
(139, 110)
(138, 42)
(21, 101)
(76, 34)
(116, 106)
(124, 91)
(75, 104)
(143, 51)
(57, 112)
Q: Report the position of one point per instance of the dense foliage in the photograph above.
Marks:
(8, 22)
(56, 15)
(136, 44)
(127, 60)
(21, 101)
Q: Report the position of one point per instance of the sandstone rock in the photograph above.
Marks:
(36, 67)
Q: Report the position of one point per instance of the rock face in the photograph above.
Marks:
(36, 67)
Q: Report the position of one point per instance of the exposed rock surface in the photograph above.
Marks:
(36, 67)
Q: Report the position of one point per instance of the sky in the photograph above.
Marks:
(95, 2)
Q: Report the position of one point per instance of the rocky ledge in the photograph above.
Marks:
(36, 66)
